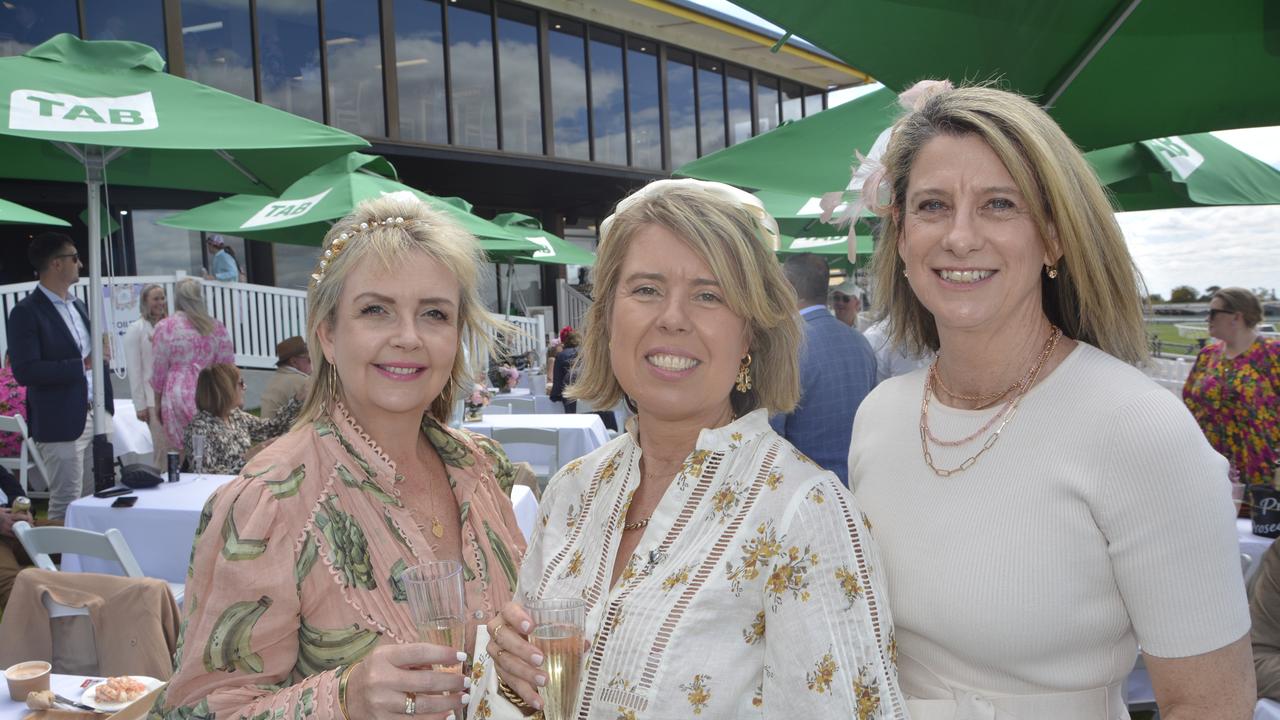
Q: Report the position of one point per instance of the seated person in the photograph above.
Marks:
(293, 367)
(12, 557)
(1264, 607)
(229, 431)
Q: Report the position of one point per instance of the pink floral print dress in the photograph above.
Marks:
(181, 352)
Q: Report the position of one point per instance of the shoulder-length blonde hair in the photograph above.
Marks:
(188, 299)
(423, 231)
(145, 312)
(728, 239)
(1097, 296)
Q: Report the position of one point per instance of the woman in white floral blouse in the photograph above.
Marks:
(725, 575)
(228, 430)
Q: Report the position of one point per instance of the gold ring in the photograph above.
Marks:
(495, 632)
(410, 704)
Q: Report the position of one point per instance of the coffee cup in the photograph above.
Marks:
(27, 677)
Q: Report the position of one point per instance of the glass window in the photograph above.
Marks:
(814, 101)
(217, 45)
(475, 118)
(138, 20)
(295, 263)
(567, 74)
(608, 104)
(420, 71)
(289, 56)
(766, 103)
(792, 101)
(646, 110)
(738, 91)
(711, 104)
(353, 44)
(520, 85)
(163, 250)
(25, 24)
(681, 115)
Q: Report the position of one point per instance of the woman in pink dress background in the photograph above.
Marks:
(184, 344)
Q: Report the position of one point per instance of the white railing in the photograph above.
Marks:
(571, 305)
(257, 316)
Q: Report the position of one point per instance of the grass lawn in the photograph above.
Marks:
(1174, 343)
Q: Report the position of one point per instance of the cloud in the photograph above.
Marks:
(1225, 246)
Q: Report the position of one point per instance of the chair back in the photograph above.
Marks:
(28, 456)
(41, 542)
(518, 405)
(496, 410)
(545, 446)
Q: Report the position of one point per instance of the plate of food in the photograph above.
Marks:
(118, 692)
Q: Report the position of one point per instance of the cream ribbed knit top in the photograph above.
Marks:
(1101, 519)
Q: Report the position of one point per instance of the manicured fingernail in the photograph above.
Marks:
(466, 698)
(524, 627)
(462, 657)
(541, 680)
(537, 703)
(537, 659)
(451, 715)
(466, 683)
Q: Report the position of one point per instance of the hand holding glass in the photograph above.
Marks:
(438, 604)
(558, 632)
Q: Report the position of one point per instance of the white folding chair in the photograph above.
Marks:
(518, 405)
(545, 461)
(41, 542)
(28, 457)
(492, 409)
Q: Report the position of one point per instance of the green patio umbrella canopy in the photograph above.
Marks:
(1109, 72)
(551, 249)
(15, 214)
(834, 245)
(813, 156)
(89, 111)
(106, 224)
(303, 213)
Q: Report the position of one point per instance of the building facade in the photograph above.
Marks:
(554, 108)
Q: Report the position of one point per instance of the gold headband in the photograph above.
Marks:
(339, 243)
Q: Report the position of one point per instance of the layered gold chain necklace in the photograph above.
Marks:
(1003, 415)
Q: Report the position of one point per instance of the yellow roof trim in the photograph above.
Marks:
(722, 26)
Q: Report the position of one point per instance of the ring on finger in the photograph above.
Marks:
(410, 704)
(495, 632)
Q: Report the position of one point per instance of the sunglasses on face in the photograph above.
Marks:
(75, 256)
(838, 298)
(1216, 311)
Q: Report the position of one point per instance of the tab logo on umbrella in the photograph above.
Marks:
(47, 111)
(544, 245)
(281, 210)
(802, 243)
(1177, 155)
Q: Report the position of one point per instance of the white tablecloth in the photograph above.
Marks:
(535, 382)
(128, 433)
(526, 507)
(1251, 544)
(543, 405)
(578, 434)
(159, 528)
(68, 686)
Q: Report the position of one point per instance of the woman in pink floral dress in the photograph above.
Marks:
(1234, 388)
(184, 344)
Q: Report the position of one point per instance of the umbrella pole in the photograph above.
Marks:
(511, 271)
(103, 474)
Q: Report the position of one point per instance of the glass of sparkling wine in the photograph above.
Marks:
(557, 632)
(197, 454)
(438, 605)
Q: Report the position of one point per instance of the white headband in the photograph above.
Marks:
(767, 225)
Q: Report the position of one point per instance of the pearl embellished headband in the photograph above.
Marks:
(339, 243)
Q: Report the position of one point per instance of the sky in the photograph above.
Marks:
(1224, 245)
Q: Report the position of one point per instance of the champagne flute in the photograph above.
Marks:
(197, 454)
(558, 632)
(438, 604)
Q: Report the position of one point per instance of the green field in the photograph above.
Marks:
(1169, 334)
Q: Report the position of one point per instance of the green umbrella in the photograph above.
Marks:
(106, 224)
(303, 213)
(551, 249)
(76, 110)
(1109, 72)
(813, 156)
(15, 214)
(833, 245)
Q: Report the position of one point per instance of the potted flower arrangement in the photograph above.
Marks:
(475, 404)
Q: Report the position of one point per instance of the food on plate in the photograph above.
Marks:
(119, 690)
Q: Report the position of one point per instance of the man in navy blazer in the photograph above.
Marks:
(49, 344)
(837, 370)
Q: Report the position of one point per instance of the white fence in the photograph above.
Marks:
(257, 316)
(571, 305)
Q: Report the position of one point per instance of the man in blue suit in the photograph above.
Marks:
(837, 370)
(49, 346)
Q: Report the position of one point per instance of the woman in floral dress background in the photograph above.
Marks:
(184, 344)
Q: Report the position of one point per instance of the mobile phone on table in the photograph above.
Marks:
(113, 491)
(126, 501)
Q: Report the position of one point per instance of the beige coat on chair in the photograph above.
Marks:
(135, 621)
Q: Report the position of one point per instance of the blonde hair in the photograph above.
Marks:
(1097, 296)
(728, 239)
(216, 389)
(423, 231)
(188, 299)
(1238, 299)
(142, 300)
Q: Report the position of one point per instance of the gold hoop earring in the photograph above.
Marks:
(743, 382)
(1052, 271)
